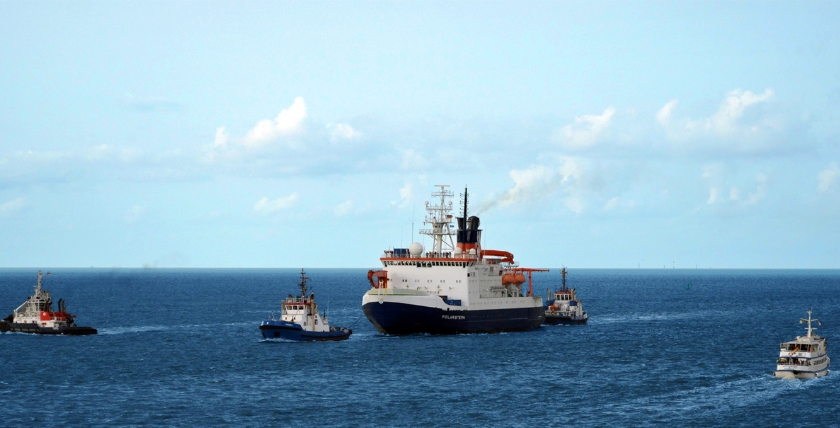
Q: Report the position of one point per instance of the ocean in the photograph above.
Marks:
(182, 347)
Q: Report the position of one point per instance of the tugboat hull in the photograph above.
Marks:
(559, 319)
(289, 331)
(401, 318)
(12, 327)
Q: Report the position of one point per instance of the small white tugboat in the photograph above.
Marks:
(803, 358)
(300, 320)
(37, 316)
(565, 307)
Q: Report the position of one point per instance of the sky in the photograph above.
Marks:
(601, 134)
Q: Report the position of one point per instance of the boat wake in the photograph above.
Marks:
(711, 401)
(657, 317)
(155, 328)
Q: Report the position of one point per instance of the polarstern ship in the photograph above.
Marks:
(456, 287)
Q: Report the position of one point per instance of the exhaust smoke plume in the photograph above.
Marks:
(536, 183)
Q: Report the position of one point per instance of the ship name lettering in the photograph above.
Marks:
(454, 317)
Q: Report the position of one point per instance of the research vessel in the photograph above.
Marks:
(803, 358)
(36, 316)
(300, 320)
(454, 286)
(564, 307)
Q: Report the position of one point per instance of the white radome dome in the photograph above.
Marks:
(457, 251)
(415, 249)
(472, 251)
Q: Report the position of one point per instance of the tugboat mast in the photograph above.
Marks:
(302, 284)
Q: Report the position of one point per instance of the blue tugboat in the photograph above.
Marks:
(565, 307)
(300, 320)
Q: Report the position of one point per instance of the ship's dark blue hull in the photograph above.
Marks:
(273, 329)
(399, 318)
(36, 329)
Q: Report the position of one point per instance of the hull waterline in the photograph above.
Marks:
(36, 329)
(400, 318)
(296, 333)
(561, 320)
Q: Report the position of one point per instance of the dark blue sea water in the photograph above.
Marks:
(182, 347)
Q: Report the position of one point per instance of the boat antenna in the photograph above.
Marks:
(809, 320)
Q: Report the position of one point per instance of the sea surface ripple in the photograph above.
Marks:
(182, 347)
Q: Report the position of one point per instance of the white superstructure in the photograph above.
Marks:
(454, 286)
(803, 358)
(38, 310)
(303, 310)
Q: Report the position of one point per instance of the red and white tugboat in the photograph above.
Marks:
(37, 316)
(565, 307)
(300, 320)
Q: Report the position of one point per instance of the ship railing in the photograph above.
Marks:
(404, 254)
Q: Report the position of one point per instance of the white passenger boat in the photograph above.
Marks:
(804, 358)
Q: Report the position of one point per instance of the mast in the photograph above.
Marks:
(302, 284)
(440, 217)
(809, 320)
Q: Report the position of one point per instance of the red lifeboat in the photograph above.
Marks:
(508, 279)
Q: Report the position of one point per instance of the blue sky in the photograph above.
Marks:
(310, 134)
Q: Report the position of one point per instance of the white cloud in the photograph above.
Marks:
(289, 121)
(266, 206)
(714, 174)
(760, 191)
(342, 131)
(343, 208)
(7, 208)
(134, 213)
(664, 114)
(413, 160)
(221, 137)
(406, 195)
(713, 196)
(574, 205)
(616, 203)
(724, 123)
(585, 129)
(828, 177)
(732, 108)
(734, 194)
(711, 170)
